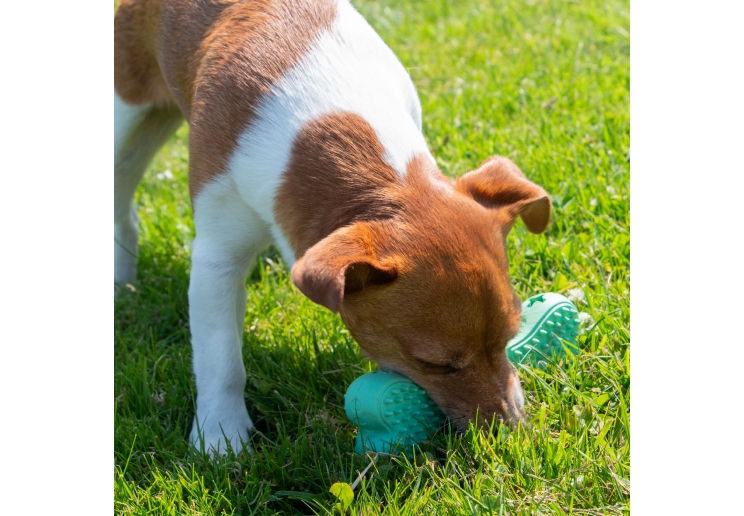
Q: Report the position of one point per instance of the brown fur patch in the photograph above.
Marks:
(137, 77)
(218, 59)
(338, 161)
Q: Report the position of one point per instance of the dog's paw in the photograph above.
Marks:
(214, 434)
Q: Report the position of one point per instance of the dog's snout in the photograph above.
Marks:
(505, 406)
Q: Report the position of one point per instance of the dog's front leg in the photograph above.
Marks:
(222, 252)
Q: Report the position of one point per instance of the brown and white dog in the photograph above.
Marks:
(305, 131)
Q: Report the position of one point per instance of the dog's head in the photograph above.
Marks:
(427, 293)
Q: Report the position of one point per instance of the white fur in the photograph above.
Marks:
(348, 69)
(229, 234)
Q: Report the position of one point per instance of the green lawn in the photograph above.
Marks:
(545, 83)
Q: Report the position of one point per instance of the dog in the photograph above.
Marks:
(305, 132)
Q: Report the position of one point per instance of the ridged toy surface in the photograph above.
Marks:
(391, 412)
(547, 321)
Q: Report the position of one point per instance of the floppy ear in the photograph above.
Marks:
(499, 184)
(339, 265)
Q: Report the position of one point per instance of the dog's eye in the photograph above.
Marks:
(437, 368)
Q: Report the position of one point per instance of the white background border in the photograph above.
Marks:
(56, 338)
(56, 258)
(687, 256)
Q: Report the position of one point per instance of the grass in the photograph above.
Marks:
(543, 82)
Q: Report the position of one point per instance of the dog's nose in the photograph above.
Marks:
(505, 411)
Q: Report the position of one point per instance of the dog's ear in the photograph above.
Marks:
(499, 184)
(339, 265)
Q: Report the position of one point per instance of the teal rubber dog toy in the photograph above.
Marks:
(392, 413)
(547, 321)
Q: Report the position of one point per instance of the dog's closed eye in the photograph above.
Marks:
(437, 368)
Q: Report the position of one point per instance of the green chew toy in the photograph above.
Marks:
(547, 321)
(392, 413)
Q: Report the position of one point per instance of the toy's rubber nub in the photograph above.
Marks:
(390, 412)
(547, 321)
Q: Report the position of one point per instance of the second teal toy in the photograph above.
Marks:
(548, 321)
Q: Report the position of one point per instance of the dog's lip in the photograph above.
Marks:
(390, 369)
